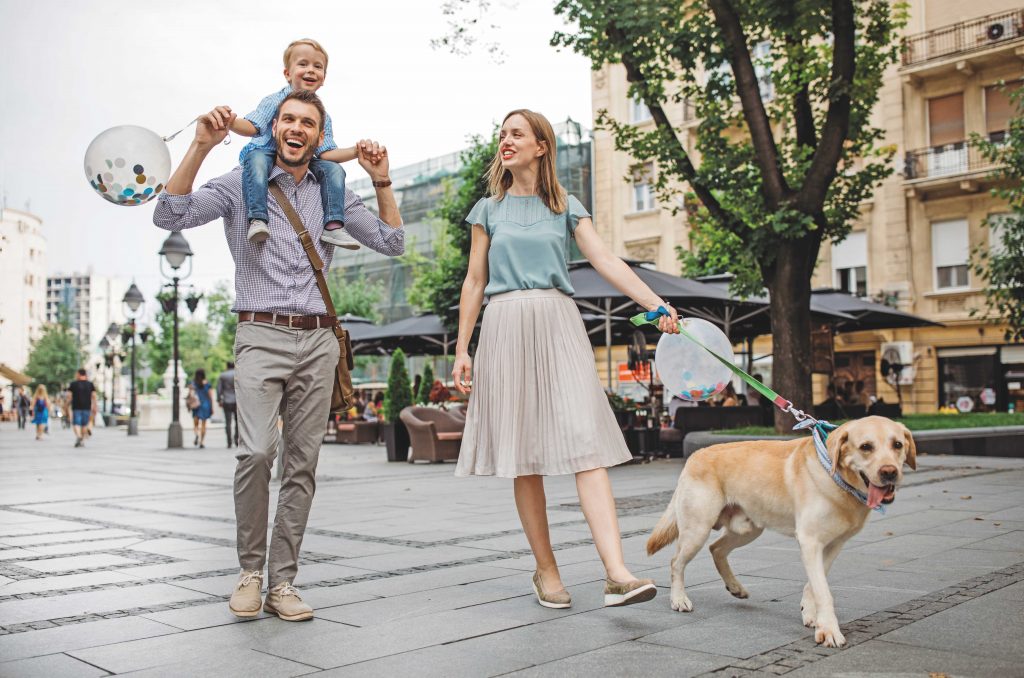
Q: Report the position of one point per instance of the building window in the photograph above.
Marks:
(965, 373)
(996, 225)
(643, 197)
(850, 264)
(950, 254)
(946, 135)
(998, 111)
(638, 111)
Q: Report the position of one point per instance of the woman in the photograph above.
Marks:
(201, 414)
(373, 408)
(40, 410)
(537, 407)
(729, 397)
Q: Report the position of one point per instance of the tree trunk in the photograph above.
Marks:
(789, 282)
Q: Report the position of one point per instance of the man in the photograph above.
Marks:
(22, 404)
(226, 399)
(285, 350)
(83, 397)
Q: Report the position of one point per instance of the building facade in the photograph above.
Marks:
(911, 248)
(23, 281)
(91, 302)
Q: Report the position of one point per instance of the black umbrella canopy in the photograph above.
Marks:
(866, 315)
(419, 335)
(356, 325)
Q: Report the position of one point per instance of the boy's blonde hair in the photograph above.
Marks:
(305, 41)
(549, 189)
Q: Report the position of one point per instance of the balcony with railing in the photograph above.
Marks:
(995, 31)
(956, 162)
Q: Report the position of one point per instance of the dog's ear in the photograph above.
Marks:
(908, 438)
(835, 444)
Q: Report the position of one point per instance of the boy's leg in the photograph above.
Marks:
(255, 176)
(331, 176)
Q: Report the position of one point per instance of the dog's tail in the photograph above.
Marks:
(665, 532)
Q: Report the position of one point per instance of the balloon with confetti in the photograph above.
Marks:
(686, 369)
(127, 165)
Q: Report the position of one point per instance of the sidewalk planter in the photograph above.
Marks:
(396, 439)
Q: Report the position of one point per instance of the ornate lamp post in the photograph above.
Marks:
(133, 300)
(175, 251)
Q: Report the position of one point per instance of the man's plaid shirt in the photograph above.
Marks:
(275, 276)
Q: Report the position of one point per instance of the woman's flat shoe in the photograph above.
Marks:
(636, 591)
(559, 600)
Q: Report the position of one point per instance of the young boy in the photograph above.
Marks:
(305, 67)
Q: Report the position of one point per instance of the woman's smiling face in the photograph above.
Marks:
(518, 146)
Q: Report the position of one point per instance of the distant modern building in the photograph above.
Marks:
(91, 302)
(420, 186)
(23, 284)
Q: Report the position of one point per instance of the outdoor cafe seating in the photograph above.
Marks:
(434, 434)
(356, 432)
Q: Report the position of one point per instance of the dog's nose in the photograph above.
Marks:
(888, 474)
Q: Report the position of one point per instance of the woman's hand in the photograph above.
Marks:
(667, 323)
(462, 373)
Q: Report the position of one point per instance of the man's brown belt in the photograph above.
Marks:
(294, 322)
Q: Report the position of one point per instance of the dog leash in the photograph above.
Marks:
(819, 428)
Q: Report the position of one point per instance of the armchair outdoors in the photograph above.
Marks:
(435, 435)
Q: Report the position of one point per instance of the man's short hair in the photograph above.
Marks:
(304, 41)
(306, 97)
(81, 371)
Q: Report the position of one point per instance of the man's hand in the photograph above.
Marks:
(213, 127)
(373, 157)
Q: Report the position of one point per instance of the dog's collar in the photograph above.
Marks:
(820, 431)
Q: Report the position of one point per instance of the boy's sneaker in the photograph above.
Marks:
(339, 237)
(258, 231)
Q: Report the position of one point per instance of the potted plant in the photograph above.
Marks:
(399, 396)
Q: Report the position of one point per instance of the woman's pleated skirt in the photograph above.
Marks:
(537, 407)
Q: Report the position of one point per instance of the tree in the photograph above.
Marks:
(223, 321)
(399, 395)
(426, 384)
(437, 283)
(352, 293)
(55, 355)
(1001, 268)
(784, 91)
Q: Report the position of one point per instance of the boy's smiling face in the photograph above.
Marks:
(307, 69)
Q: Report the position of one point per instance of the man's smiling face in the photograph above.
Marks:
(297, 132)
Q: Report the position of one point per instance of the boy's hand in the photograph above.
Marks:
(373, 157)
(212, 127)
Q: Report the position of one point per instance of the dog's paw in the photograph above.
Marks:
(682, 604)
(807, 612)
(829, 637)
(737, 590)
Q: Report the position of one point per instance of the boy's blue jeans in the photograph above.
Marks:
(256, 174)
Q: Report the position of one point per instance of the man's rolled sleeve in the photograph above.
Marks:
(367, 228)
(211, 201)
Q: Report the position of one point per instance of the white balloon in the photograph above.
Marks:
(686, 369)
(127, 165)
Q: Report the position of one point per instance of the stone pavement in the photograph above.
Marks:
(119, 557)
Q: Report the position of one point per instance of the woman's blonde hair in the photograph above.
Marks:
(550, 191)
(40, 393)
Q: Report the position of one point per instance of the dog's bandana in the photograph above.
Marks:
(820, 431)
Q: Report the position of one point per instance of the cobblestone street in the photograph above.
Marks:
(119, 558)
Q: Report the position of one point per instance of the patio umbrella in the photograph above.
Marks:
(866, 315)
(356, 325)
(419, 335)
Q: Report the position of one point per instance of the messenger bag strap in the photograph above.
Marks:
(307, 244)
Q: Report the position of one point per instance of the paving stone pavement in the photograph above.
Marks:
(119, 558)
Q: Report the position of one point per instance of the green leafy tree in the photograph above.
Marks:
(55, 355)
(399, 395)
(425, 384)
(194, 348)
(1002, 268)
(437, 282)
(785, 150)
(352, 293)
(223, 321)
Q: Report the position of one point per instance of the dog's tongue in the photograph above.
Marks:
(875, 495)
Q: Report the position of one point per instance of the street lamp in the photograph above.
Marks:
(112, 333)
(134, 300)
(176, 252)
(107, 360)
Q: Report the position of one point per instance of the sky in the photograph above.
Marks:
(77, 67)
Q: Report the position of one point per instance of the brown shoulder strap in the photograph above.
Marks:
(307, 244)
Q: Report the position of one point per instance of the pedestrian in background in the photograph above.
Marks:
(228, 404)
(81, 399)
(40, 410)
(200, 389)
(22, 404)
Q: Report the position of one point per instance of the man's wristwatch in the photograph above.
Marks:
(384, 183)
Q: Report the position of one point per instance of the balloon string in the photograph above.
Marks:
(227, 139)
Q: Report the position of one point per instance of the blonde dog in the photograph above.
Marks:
(744, 487)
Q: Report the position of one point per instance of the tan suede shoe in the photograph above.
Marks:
(284, 601)
(637, 591)
(246, 598)
(558, 600)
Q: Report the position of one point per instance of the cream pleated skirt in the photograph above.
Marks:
(537, 407)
